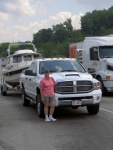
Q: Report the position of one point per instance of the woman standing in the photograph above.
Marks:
(47, 86)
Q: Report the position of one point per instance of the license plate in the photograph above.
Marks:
(76, 102)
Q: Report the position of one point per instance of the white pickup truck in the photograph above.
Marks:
(74, 88)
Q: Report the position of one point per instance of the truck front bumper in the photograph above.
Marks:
(109, 85)
(82, 99)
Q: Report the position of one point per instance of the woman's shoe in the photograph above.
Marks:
(47, 120)
(52, 119)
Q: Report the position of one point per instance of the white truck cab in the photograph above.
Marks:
(97, 58)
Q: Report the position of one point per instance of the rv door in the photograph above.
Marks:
(94, 59)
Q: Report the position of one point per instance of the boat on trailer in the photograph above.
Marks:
(15, 64)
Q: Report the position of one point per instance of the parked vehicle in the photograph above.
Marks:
(15, 64)
(75, 87)
(96, 54)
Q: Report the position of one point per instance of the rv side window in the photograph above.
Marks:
(94, 53)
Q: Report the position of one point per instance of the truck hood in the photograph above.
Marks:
(68, 76)
(110, 61)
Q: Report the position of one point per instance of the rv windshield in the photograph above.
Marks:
(106, 51)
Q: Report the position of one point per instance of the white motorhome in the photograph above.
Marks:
(97, 57)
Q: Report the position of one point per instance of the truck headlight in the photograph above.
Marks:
(109, 67)
(96, 85)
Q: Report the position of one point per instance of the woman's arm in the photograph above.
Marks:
(42, 96)
(54, 84)
(55, 89)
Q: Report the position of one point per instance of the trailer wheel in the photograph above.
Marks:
(4, 93)
(103, 89)
(25, 101)
(40, 106)
(93, 109)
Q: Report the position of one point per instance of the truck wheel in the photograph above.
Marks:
(75, 107)
(40, 106)
(25, 101)
(94, 109)
(103, 89)
(2, 92)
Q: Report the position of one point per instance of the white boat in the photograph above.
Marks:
(15, 64)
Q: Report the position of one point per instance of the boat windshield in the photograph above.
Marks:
(37, 56)
(28, 58)
(17, 59)
(106, 51)
(60, 66)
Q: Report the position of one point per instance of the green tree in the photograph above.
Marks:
(59, 33)
(77, 36)
(69, 28)
(92, 24)
(3, 49)
(44, 35)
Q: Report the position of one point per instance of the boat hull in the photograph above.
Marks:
(12, 77)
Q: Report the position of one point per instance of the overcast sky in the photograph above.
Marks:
(19, 19)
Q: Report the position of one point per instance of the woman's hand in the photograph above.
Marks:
(42, 99)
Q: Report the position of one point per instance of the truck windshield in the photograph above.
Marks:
(106, 51)
(60, 66)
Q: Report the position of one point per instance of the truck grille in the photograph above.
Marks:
(74, 87)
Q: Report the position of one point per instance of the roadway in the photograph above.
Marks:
(22, 129)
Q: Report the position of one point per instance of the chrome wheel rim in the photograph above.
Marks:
(38, 107)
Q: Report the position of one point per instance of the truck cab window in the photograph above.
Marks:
(33, 67)
(94, 53)
(106, 51)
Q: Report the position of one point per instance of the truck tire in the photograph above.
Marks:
(93, 109)
(25, 101)
(103, 89)
(40, 106)
(3, 92)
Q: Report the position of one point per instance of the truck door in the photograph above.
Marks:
(94, 59)
(29, 81)
(33, 81)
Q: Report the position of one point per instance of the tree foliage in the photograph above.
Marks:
(57, 43)
(3, 49)
(97, 22)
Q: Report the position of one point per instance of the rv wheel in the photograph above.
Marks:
(103, 89)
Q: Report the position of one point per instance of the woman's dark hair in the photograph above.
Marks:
(46, 71)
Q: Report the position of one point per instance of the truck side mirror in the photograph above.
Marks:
(29, 72)
(91, 70)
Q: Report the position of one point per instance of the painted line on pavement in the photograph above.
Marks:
(107, 110)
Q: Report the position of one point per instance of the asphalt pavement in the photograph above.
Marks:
(22, 129)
